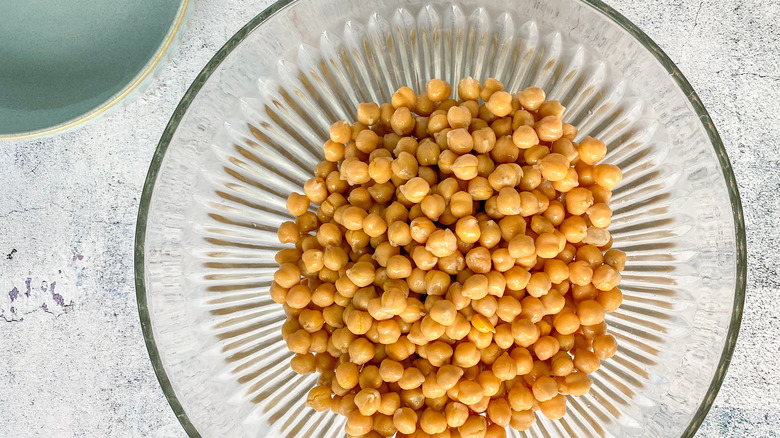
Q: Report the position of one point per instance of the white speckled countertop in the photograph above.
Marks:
(72, 357)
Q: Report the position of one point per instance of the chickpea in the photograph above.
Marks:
(555, 408)
(551, 108)
(469, 392)
(443, 312)
(517, 278)
(441, 243)
(412, 378)
(401, 349)
(615, 258)
(499, 104)
(531, 98)
(586, 361)
(405, 166)
(428, 153)
(303, 363)
(547, 245)
(388, 331)
(368, 113)
(311, 320)
(359, 424)
(366, 141)
(578, 200)
(465, 167)
(390, 403)
(531, 178)
(469, 89)
(607, 176)
(522, 420)
(546, 347)
(577, 383)
(550, 128)
(499, 412)
(610, 300)
(525, 332)
(474, 427)
(592, 151)
(319, 398)
(561, 364)
(501, 260)
(405, 420)
(466, 355)
(353, 171)
(483, 140)
(288, 275)
(404, 96)
(368, 401)
(459, 329)
(456, 414)
(605, 278)
(505, 150)
(433, 422)
(460, 141)
(415, 190)
(333, 151)
(424, 106)
(600, 215)
(438, 90)
(298, 296)
(402, 122)
(459, 117)
(604, 346)
(413, 398)
(448, 376)
(539, 284)
(431, 329)
(461, 204)
(478, 260)
(380, 169)
(475, 287)
(505, 368)
(414, 310)
(361, 350)
(554, 167)
(534, 156)
(565, 147)
(490, 86)
(288, 232)
(347, 374)
(299, 342)
(590, 312)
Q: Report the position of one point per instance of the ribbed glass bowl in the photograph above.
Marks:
(250, 130)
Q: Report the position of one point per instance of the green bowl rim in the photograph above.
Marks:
(661, 56)
(138, 81)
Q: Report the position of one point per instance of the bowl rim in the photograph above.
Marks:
(608, 11)
(151, 64)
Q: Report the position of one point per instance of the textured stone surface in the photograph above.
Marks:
(72, 358)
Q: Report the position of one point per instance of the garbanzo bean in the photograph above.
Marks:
(405, 420)
(438, 90)
(368, 113)
(474, 427)
(507, 253)
(500, 103)
(592, 151)
(483, 140)
(531, 98)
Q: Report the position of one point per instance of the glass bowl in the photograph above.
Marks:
(249, 130)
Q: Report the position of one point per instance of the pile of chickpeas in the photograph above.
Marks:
(451, 266)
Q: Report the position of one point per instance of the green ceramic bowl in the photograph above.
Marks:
(65, 62)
